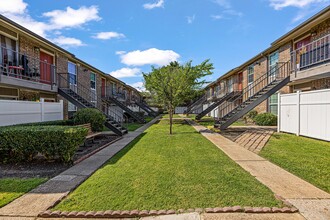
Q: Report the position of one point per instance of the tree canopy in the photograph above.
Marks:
(175, 84)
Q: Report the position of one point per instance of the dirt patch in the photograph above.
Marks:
(43, 168)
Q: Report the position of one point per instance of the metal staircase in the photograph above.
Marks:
(195, 104)
(227, 97)
(113, 100)
(252, 95)
(146, 108)
(81, 97)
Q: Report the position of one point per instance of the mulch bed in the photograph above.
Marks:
(40, 168)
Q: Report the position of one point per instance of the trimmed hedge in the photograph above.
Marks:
(48, 123)
(23, 143)
(266, 119)
(92, 116)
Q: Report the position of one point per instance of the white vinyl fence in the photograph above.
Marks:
(305, 113)
(18, 112)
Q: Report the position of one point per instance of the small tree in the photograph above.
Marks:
(174, 84)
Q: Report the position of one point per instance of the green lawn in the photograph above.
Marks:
(304, 157)
(174, 116)
(12, 188)
(159, 171)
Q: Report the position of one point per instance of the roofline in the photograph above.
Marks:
(271, 47)
(44, 40)
(326, 9)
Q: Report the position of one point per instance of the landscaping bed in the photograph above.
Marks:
(159, 171)
(305, 157)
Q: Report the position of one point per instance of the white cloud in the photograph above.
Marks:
(216, 17)
(72, 17)
(279, 4)
(190, 19)
(126, 72)
(152, 56)
(17, 11)
(108, 35)
(223, 3)
(158, 4)
(139, 86)
(13, 7)
(68, 41)
(120, 52)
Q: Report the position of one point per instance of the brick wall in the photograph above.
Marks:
(62, 68)
(321, 30)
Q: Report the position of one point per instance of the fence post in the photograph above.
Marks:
(279, 112)
(42, 105)
(298, 113)
(62, 110)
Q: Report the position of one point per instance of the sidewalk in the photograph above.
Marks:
(48, 194)
(312, 202)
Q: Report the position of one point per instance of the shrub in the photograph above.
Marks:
(266, 119)
(252, 114)
(48, 123)
(23, 143)
(90, 115)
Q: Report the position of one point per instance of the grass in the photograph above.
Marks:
(132, 126)
(304, 157)
(174, 116)
(159, 171)
(12, 188)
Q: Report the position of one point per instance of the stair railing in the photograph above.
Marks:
(277, 73)
(68, 81)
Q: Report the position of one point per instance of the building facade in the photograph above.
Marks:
(33, 68)
(301, 56)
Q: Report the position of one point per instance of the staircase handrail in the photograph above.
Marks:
(87, 94)
(272, 75)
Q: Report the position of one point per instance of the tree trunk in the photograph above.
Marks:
(171, 119)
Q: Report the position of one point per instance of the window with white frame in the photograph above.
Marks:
(273, 104)
(72, 70)
(8, 54)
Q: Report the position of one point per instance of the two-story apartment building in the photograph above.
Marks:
(31, 68)
(299, 60)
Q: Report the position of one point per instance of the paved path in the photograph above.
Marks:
(254, 139)
(46, 195)
(290, 187)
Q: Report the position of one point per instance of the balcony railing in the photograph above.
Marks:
(311, 55)
(21, 66)
(231, 86)
(114, 94)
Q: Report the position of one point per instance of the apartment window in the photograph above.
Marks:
(72, 69)
(93, 81)
(273, 61)
(250, 74)
(114, 89)
(8, 51)
(273, 103)
(230, 84)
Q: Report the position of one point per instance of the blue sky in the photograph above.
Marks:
(125, 37)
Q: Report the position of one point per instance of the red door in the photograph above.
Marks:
(240, 81)
(103, 88)
(46, 67)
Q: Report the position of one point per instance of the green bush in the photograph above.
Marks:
(48, 123)
(252, 114)
(90, 115)
(23, 143)
(266, 119)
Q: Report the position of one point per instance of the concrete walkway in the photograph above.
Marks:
(302, 194)
(48, 194)
(312, 202)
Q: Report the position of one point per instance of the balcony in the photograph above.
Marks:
(17, 69)
(311, 61)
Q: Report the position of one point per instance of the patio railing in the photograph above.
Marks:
(311, 55)
(19, 65)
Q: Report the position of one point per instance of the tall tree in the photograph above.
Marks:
(174, 84)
